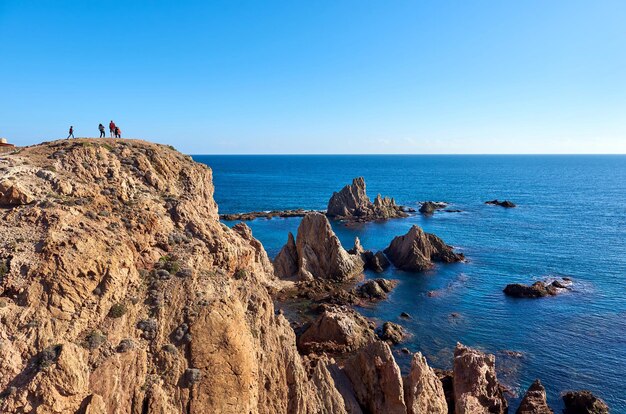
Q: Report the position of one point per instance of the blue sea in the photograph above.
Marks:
(570, 221)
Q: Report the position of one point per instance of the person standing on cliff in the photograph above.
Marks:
(71, 134)
(112, 128)
(118, 132)
(101, 129)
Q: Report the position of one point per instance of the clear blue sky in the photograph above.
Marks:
(319, 76)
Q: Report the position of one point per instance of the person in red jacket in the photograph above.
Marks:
(71, 132)
(112, 128)
(118, 132)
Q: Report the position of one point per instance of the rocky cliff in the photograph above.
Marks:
(120, 291)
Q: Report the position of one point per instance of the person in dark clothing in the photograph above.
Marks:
(71, 132)
(118, 133)
(112, 128)
(101, 129)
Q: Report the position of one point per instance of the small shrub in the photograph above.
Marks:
(125, 345)
(170, 264)
(4, 269)
(241, 274)
(95, 339)
(117, 311)
(3, 303)
(170, 348)
(48, 356)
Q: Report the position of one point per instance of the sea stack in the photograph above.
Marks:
(352, 203)
(416, 251)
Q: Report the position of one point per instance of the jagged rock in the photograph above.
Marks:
(429, 207)
(536, 290)
(376, 289)
(423, 391)
(534, 401)
(392, 332)
(14, 194)
(476, 388)
(375, 261)
(352, 203)
(357, 248)
(505, 203)
(376, 379)
(416, 251)
(583, 402)
(446, 377)
(337, 329)
(319, 252)
(286, 262)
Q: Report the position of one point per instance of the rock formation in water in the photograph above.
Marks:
(376, 289)
(392, 333)
(538, 289)
(416, 251)
(429, 207)
(337, 329)
(534, 401)
(423, 391)
(505, 203)
(317, 253)
(352, 203)
(583, 402)
(476, 388)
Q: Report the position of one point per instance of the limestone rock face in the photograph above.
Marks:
(583, 402)
(286, 262)
(376, 379)
(416, 251)
(476, 388)
(13, 194)
(337, 329)
(423, 391)
(534, 401)
(132, 226)
(319, 253)
(352, 203)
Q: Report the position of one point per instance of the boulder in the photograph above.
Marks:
(416, 251)
(336, 329)
(429, 207)
(392, 333)
(505, 203)
(13, 194)
(534, 401)
(476, 388)
(423, 391)
(583, 402)
(352, 203)
(319, 253)
(536, 290)
(376, 379)
(375, 289)
(375, 261)
(286, 262)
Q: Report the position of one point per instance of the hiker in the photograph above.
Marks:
(101, 129)
(118, 133)
(112, 128)
(71, 132)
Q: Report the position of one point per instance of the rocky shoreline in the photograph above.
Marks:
(121, 291)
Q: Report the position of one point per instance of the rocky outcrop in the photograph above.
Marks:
(423, 391)
(505, 203)
(538, 289)
(253, 215)
(376, 379)
(319, 253)
(352, 203)
(376, 289)
(416, 251)
(375, 261)
(337, 329)
(392, 333)
(122, 293)
(476, 388)
(534, 401)
(429, 207)
(12, 193)
(583, 402)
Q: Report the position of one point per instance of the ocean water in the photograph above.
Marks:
(570, 221)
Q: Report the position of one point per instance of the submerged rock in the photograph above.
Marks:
(423, 391)
(505, 203)
(376, 379)
(337, 329)
(476, 388)
(534, 401)
(583, 402)
(352, 203)
(416, 251)
(538, 289)
(318, 253)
